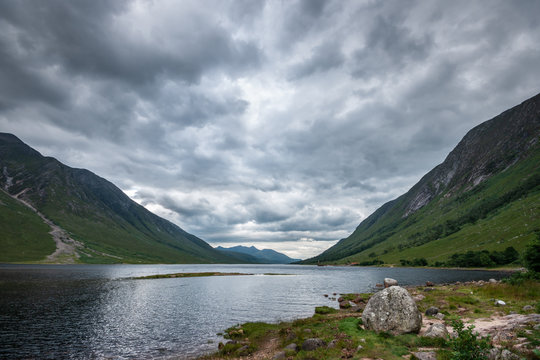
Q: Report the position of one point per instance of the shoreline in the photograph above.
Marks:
(511, 327)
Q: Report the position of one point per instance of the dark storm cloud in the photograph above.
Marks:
(261, 121)
(389, 45)
(83, 37)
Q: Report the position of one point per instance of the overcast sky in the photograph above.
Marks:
(280, 124)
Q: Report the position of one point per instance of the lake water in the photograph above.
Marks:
(94, 312)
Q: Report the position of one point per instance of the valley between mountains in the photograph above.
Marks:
(484, 198)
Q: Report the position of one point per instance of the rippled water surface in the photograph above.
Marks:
(95, 311)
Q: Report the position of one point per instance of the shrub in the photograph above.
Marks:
(519, 278)
(531, 256)
(467, 345)
(414, 262)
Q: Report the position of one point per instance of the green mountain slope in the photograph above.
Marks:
(485, 195)
(24, 235)
(104, 223)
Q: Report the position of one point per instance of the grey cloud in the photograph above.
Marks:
(323, 58)
(263, 216)
(389, 47)
(359, 184)
(267, 121)
(200, 207)
(82, 38)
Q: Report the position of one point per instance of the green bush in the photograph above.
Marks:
(519, 278)
(531, 256)
(483, 258)
(467, 345)
(414, 262)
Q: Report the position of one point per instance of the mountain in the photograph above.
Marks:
(484, 196)
(46, 205)
(265, 256)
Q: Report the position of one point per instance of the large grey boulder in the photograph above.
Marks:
(392, 310)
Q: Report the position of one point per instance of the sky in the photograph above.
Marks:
(279, 124)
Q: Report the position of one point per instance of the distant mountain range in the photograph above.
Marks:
(47, 206)
(484, 196)
(252, 254)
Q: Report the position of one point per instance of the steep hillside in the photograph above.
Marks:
(95, 218)
(264, 256)
(485, 195)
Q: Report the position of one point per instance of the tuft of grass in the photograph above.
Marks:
(323, 310)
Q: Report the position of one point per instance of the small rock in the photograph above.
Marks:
(507, 355)
(499, 303)
(379, 285)
(528, 308)
(428, 289)
(244, 350)
(290, 336)
(279, 355)
(492, 281)
(231, 342)
(436, 331)
(291, 347)
(360, 347)
(344, 304)
(494, 354)
(425, 355)
(432, 311)
(325, 295)
(340, 299)
(312, 344)
(390, 282)
(502, 337)
(332, 344)
(307, 331)
(429, 283)
(439, 316)
(513, 312)
(419, 297)
(363, 340)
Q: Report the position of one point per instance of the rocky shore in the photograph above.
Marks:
(418, 322)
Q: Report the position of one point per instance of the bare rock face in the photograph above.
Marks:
(392, 310)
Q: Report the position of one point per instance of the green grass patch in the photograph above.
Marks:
(186, 275)
(323, 310)
(24, 237)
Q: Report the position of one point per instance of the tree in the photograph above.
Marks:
(531, 256)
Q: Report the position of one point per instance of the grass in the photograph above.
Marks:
(344, 328)
(24, 236)
(186, 275)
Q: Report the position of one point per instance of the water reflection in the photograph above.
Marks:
(89, 312)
